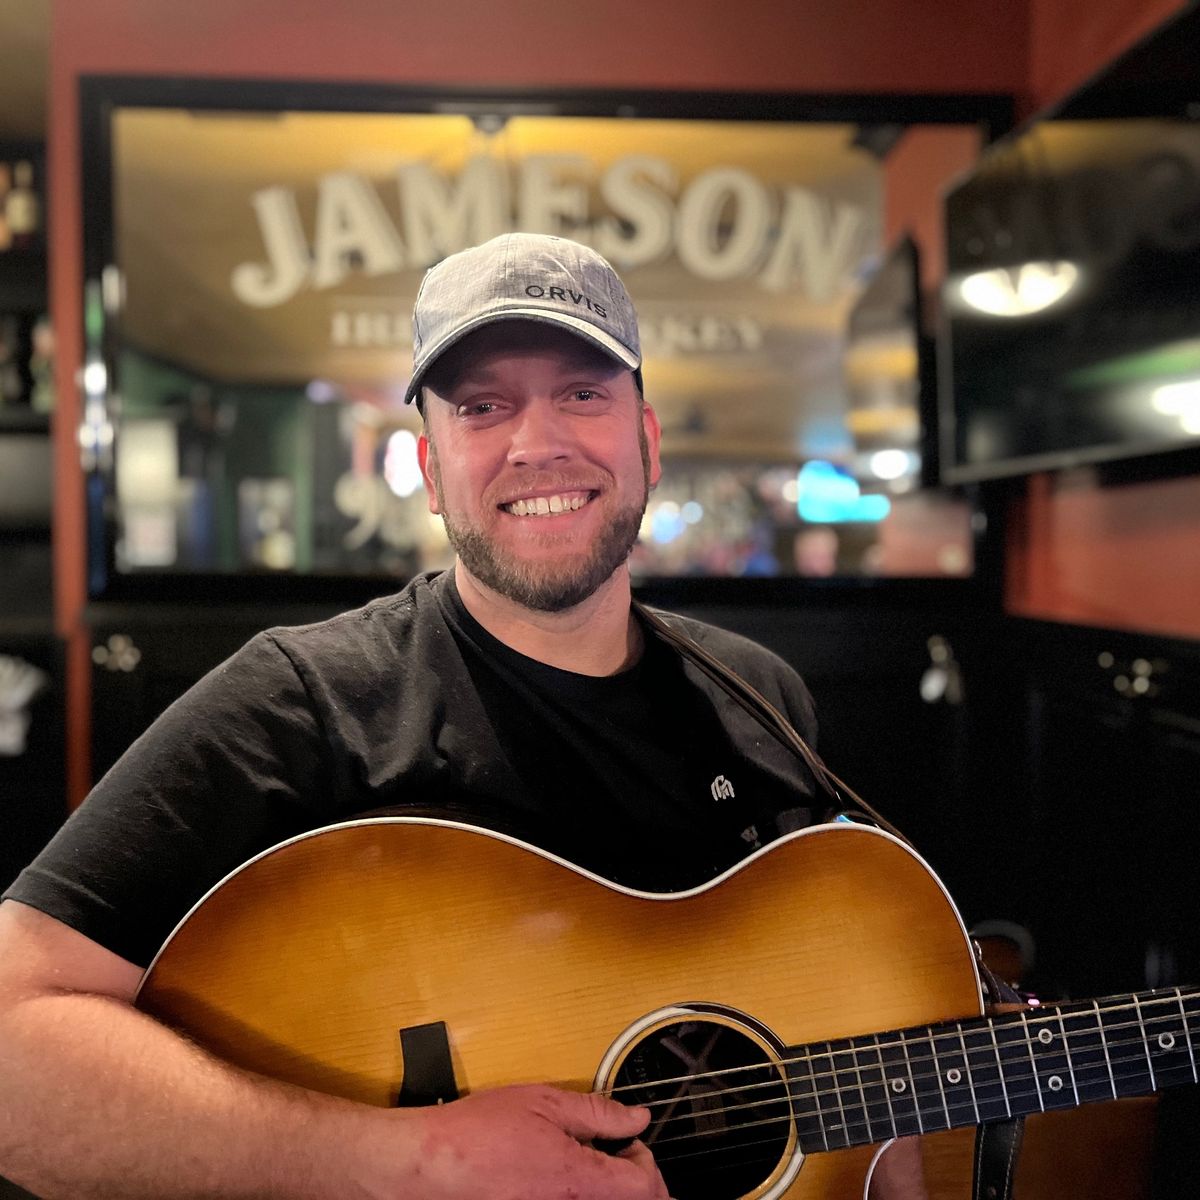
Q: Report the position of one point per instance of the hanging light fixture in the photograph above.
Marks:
(1021, 290)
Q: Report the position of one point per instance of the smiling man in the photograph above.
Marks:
(523, 690)
(533, 390)
(552, 453)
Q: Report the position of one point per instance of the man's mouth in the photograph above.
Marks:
(544, 506)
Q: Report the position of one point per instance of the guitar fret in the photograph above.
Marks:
(843, 1126)
(1086, 1053)
(803, 1087)
(1104, 1041)
(937, 1070)
(893, 1060)
(1187, 1034)
(1049, 1052)
(1032, 1062)
(847, 1080)
(862, 1091)
(1062, 1029)
(912, 1082)
(868, 1086)
(986, 1077)
(829, 1103)
(970, 1077)
(1022, 1088)
(953, 1078)
(1132, 1071)
(1000, 1068)
(1145, 1042)
(883, 1087)
(926, 1080)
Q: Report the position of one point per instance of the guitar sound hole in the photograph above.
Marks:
(720, 1118)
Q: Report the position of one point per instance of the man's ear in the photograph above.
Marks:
(653, 429)
(427, 459)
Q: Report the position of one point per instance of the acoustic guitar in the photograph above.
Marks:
(780, 1022)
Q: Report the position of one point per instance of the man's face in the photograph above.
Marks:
(539, 457)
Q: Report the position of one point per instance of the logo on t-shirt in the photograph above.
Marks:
(721, 788)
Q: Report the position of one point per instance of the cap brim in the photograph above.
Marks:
(585, 329)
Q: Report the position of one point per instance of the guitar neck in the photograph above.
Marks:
(935, 1077)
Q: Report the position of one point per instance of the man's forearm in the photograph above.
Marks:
(98, 1100)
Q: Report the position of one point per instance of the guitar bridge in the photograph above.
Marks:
(428, 1066)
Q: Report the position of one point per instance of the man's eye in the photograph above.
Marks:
(482, 409)
(584, 394)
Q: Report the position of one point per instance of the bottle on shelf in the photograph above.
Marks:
(5, 187)
(22, 210)
(41, 366)
(12, 385)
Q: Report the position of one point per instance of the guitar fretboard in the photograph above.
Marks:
(935, 1077)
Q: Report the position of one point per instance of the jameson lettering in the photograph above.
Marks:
(722, 226)
(535, 292)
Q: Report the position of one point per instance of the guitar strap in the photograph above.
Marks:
(768, 716)
(997, 1144)
(996, 1149)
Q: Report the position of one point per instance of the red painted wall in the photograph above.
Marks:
(804, 45)
(916, 173)
(1126, 556)
(1072, 39)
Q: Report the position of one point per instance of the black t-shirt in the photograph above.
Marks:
(651, 777)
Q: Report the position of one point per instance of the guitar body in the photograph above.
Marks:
(305, 964)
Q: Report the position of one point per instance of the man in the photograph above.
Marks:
(520, 690)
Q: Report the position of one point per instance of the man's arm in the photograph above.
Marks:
(99, 1101)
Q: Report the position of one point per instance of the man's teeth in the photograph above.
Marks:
(542, 506)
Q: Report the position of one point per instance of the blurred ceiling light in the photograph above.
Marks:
(400, 466)
(890, 464)
(321, 391)
(829, 494)
(95, 378)
(1019, 291)
(1182, 400)
(667, 523)
(1177, 399)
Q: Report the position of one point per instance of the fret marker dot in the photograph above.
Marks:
(1166, 1041)
(898, 1085)
(1055, 1083)
(1045, 1037)
(954, 1075)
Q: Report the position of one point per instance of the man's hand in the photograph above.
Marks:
(530, 1143)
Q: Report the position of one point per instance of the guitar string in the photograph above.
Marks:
(889, 1101)
(834, 1072)
(1001, 1024)
(1043, 1017)
(796, 1089)
(846, 1131)
(932, 1111)
(934, 1107)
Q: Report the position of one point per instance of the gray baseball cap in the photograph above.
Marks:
(527, 277)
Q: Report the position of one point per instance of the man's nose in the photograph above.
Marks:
(541, 436)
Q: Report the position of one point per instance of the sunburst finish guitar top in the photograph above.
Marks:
(723, 1008)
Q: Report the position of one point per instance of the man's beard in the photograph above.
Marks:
(547, 586)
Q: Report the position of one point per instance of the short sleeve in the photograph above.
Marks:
(235, 765)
